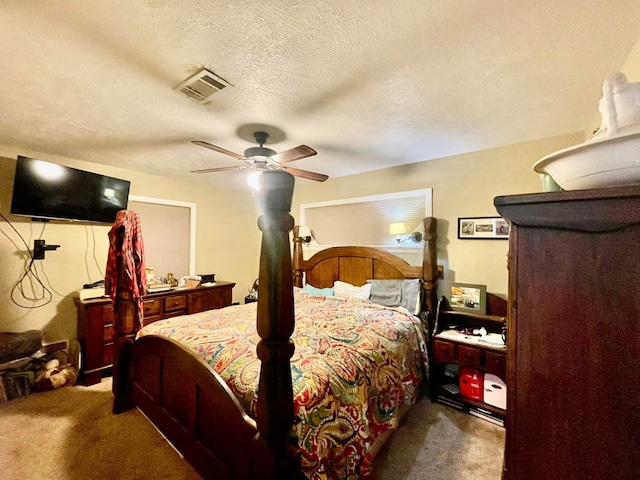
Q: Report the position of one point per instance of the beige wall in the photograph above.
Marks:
(463, 186)
(631, 68)
(227, 243)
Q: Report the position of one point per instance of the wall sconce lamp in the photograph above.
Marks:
(304, 233)
(398, 229)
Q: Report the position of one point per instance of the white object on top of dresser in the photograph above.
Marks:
(612, 156)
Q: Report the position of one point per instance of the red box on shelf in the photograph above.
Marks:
(471, 383)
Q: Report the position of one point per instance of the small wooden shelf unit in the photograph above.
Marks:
(446, 350)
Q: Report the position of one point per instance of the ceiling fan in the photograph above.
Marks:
(262, 158)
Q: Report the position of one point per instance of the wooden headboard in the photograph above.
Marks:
(356, 265)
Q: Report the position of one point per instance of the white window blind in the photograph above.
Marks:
(366, 220)
(167, 230)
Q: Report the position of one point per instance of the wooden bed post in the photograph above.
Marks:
(297, 257)
(430, 264)
(275, 320)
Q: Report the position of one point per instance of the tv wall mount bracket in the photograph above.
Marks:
(40, 247)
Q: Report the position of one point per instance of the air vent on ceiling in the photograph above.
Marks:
(201, 86)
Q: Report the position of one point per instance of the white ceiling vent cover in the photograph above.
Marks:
(201, 86)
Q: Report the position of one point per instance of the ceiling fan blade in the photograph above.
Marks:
(297, 153)
(219, 169)
(318, 177)
(218, 149)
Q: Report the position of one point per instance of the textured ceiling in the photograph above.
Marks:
(368, 84)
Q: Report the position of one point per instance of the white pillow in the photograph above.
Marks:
(346, 290)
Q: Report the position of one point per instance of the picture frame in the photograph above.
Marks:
(483, 228)
(467, 297)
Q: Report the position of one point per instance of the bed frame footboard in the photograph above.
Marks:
(194, 408)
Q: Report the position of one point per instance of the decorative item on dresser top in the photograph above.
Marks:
(574, 341)
(610, 157)
(95, 321)
(468, 361)
(253, 293)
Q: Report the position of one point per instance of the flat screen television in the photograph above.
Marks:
(44, 190)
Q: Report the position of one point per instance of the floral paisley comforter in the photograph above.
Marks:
(355, 364)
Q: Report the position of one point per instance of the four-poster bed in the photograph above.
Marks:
(195, 407)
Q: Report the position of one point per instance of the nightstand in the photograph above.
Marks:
(467, 371)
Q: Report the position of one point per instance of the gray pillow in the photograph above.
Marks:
(411, 298)
(397, 293)
(386, 292)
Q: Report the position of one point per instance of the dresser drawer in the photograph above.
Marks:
(171, 304)
(443, 351)
(496, 363)
(152, 307)
(220, 298)
(107, 333)
(107, 315)
(107, 354)
(469, 355)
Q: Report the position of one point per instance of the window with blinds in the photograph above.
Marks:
(365, 220)
(168, 230)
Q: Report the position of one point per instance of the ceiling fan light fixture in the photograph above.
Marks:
(259, 153)
(254, 180)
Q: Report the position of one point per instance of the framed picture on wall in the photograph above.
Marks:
(483, 228)
(467, 297)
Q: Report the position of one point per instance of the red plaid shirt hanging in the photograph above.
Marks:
(126, 250)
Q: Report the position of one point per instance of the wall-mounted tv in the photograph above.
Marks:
(44, 190)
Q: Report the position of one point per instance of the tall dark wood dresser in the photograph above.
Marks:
(573, 367)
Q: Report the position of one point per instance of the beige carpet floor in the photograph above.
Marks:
(435, 442)
(71, 434)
